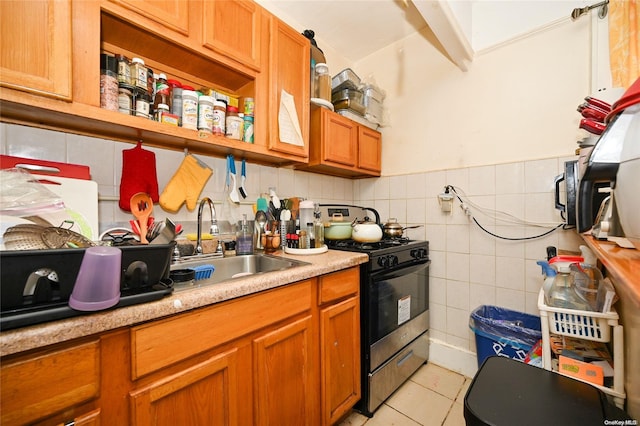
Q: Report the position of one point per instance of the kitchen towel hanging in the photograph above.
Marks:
(138, 175)
(186, 184)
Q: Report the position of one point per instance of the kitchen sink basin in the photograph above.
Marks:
(229, 268)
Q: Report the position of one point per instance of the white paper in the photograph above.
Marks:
(288, 123)
(404, 309)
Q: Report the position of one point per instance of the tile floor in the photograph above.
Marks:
(433, 396)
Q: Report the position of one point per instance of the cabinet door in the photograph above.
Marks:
(35, 46)
(35, 387)
(203, 394)
(340, 358)
(232, 28)
(173, 14)
(339, 139)
(284, 375)
(289, 72)
(369, 149)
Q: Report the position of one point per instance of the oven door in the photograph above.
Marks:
(397, 310)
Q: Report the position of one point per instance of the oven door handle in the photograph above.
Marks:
(378, 276)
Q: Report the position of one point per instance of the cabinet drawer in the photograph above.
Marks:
(339, 284)
(40, 386)
(159, 344)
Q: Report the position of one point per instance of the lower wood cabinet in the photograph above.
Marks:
(205, 393)
(286, 356)
(339, 343)
(285, 382)
(52, 386)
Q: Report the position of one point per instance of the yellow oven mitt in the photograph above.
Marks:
(185, 185)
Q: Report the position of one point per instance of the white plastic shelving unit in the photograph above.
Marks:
(586, 325)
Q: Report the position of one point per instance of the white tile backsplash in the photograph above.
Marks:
(468, 266)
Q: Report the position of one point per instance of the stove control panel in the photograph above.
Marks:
(419, 253)
(388, 261)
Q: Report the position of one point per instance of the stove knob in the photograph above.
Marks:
(414, 253)
(423, 253)
(394, 260)
(383, 261)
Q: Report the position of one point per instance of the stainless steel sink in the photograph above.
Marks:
(229, 268)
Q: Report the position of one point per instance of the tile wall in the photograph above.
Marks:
(469, 267)
(104, 157)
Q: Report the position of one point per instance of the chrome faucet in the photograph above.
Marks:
(214, 230)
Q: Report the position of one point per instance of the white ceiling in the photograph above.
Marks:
(355, 28)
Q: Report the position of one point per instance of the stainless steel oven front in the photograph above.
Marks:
(395, 328)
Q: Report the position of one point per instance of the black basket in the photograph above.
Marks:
(143, 266)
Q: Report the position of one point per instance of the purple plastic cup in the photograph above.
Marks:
(97, 285)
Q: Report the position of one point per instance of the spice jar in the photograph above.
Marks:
(108, 82)
(159, 111)
(125, 99)
(163, 92)
(138, 73)
(143, 104)
(124, 69)
(323, 82)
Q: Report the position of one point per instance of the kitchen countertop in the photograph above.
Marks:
(36, 336)
(622, 264)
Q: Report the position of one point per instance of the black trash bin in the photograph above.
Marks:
(505, 392)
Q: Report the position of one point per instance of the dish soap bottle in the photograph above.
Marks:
(244, 238)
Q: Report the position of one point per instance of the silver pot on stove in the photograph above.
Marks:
(392, 229)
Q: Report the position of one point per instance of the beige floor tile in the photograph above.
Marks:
(439, 379)
(455, 416)
(354, 419)
(387, 416)
(420, 404)
(463, 390)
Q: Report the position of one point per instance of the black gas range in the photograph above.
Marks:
(394, 306)
(386, 254)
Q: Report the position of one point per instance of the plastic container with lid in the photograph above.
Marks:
(323, 82)
(307, 208)
(248, 129)
(205, 113)
(189, 109)
(219, 117)
(234, 123)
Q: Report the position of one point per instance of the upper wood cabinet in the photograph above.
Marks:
(236, 47)
(233, 28)
(288, 75)
(35, 47)
(172, 14)
(341, 147)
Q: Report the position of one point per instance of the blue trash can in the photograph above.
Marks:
(503, 332)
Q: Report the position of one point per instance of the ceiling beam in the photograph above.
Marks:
(442, 21)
